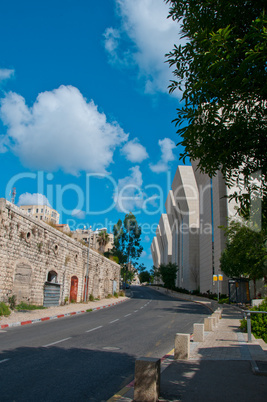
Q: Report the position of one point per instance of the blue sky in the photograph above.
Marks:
(85, 114)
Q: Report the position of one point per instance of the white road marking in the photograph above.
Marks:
(114, 321)
(54, 343)
(135, 311)
(1, 331)
(3, 361)
(127, 315)
(141, 307)
(93, 329)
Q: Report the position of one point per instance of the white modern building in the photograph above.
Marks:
(195, 208)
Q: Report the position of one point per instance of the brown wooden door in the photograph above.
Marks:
(74, 289)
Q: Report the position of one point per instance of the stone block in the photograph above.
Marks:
(214, 321)
(182, 346)
(208, 324)
(217, 317)
(198, 333)
(147, 379)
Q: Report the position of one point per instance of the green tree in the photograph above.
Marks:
(221, 69)
(144, 276)
(245, 254)
(127, 240)
(102, 239)
(168, 274)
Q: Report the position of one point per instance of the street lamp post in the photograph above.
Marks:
(87, 268)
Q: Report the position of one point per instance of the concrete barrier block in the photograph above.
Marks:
(182, 346)
(198, 333)
(208, 324)
(214, 321)
(217, 316)
(147, 379)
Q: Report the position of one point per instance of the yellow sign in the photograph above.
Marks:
(217, 277)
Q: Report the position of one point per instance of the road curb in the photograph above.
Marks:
(54, 317)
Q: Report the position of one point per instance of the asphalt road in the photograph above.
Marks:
(90, 357)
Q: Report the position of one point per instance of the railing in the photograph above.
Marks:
(248, 314)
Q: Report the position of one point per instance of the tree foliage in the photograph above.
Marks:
(144, 276)
(103, 239)
(221, 69)
(127, 239)
(168, 274)
(245, 254)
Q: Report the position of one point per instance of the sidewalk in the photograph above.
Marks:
(17, 318)
(221, 368)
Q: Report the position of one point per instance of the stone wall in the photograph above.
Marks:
(33, 253)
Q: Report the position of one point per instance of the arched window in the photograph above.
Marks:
(52, 277)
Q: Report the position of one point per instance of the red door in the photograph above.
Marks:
(74, 289)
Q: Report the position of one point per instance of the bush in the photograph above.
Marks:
(116, 294)
(121, 293)
(109, 296)
(224, 300)
(12, 302)
(25, 306)
(4, 309)
(91, 297)
(258, 322)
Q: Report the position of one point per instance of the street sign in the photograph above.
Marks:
(217, 277)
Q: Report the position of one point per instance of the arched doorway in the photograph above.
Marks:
(73, 289)
(22, 282)
(51, 290)
(106, 286)
(96, 286)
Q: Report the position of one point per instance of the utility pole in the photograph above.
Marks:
(13, 195)
(87, 268)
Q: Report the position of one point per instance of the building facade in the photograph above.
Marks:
(42, 213)
(195, 208)
(43, 266)
(84, 235)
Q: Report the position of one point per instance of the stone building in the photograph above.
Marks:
(41, 265)
(42, 212)
(86, 234)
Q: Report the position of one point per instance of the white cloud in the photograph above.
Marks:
(3, 144)
(112, 37)
(152, 35)
(147, 239)
(166, 147)
(33, 199)
(129, 194)
(5, 73)
(77, 213)
(62, 130)
(134, 151)
(143, 254)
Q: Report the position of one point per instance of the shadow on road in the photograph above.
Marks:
(212, 380)
(58, 374)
